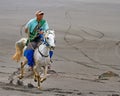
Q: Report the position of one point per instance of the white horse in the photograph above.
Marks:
(41, 56)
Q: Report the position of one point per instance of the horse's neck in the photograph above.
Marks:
(44, 49)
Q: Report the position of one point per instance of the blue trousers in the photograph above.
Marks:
(29, 55)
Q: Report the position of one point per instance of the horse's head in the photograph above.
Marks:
(50, 38)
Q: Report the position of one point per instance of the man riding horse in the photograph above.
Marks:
(35, 29)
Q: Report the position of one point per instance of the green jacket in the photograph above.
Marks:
(35, 32)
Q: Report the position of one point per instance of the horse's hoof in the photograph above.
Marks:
(42, 80)
(30, 85)
(11, 82)
(20, 83)
(20, 76)
(35, 80)
(39, 88)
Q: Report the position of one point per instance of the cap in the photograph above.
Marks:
(39, 13)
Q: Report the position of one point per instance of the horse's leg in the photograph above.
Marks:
(22, 69)
(45, 74)
(39, 81)
(37, 78)
(36, 75)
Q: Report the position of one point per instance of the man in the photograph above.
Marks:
(35, 29)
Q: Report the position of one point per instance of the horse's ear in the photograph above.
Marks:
(53, 31)
(49, 32)
(46, 33)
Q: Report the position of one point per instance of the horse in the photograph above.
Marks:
(41, 56)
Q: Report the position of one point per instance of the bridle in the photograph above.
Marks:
(45, 43)
(42, 54)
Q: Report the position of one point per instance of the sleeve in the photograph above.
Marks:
(28, 25)
(45, 26)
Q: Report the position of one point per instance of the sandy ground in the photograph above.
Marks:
(87, 35)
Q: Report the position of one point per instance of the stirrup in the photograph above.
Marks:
(51, 61)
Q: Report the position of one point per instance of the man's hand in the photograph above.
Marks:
(41, 32)
(26, 30)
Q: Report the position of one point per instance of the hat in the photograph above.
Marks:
(39, 13)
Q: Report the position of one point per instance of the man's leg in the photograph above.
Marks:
(29, 55)
(51, 54)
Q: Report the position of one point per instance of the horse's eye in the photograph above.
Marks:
(47, 37)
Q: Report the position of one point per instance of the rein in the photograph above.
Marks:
(42, 54)
(46, 43)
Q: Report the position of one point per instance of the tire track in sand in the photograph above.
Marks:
(73, 45)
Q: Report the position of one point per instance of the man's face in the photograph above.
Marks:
(39, 16)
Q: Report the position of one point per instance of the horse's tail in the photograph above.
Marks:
(18, 53)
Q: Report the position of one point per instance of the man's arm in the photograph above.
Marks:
(27, 26)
